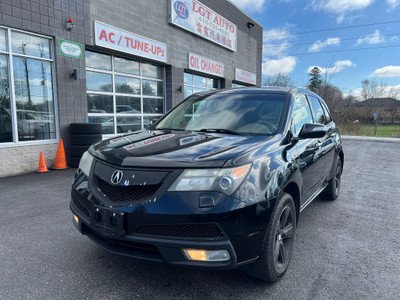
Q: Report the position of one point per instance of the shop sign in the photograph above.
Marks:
(197, 18)
(117, 39)
(244, 76)
(70, 49)
(205, 65)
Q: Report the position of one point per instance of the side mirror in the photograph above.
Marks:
(312, 131)
(153, 121)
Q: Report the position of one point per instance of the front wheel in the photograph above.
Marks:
(278, 245)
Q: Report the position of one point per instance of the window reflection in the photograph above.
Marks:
(128, 124)
(98, 82)
(152, 106)
(5, 115)
(30, 45)
(34, 99)
(97, 60)
(99, 103)
(127, 85)
(151, 71)
(128, 105)
(122, 65)
(3, 44)
(152, 88)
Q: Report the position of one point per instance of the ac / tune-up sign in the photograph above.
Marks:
(201, 20)
(114, 38)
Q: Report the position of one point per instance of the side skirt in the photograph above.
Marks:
(315, 195)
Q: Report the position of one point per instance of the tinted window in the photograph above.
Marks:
(326, 111)
(244, 113)
(318, 112)
(301, 113)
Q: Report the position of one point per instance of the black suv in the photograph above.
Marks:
(218, 182)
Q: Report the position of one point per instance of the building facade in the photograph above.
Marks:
(121, 64)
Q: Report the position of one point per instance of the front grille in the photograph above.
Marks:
(181, 231)
(81, 207)
(127, 193)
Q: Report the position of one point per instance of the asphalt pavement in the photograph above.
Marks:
(345, 249)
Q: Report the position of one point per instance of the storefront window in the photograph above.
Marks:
(125, 97)
(194, 84)
(29, 107)
(237, 85)
(3, 44)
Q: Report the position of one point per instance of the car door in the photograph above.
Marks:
(327, 142)
(306, 153)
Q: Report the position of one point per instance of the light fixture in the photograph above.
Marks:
(179, 89)
(74, 74)
(250, 25)
(70, 24)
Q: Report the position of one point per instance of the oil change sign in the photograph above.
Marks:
(70, 49)
(114, 38)
(205, 65)
(201, 20)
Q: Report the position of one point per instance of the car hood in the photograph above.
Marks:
(173, 149)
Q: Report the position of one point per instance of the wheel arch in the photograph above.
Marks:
(293, 189)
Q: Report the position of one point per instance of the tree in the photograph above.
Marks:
(279, 79)
(315, 81)
(371, 92)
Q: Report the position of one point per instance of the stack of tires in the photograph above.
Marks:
(81, 136)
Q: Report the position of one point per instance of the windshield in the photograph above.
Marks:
(227, 113)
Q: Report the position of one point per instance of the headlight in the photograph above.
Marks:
(86, 163)
(225, 180)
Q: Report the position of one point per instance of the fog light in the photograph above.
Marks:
(207, 255)
(76, 219)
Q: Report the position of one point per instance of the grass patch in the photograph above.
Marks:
(368, 130)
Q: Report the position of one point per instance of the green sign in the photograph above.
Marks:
(70, 49)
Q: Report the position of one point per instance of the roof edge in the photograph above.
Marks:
(242, 11)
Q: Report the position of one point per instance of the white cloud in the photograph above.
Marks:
(283, 65)
(340, 7)
(373, 38)
(276, 41)
(250, 5)
(337, 67)
(392, 4)
(388, 71)
(394, 39)
(318, 45)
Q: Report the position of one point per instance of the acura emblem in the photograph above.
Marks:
(116, 177)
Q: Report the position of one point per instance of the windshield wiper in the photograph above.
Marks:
(175, 129)
(219, 130)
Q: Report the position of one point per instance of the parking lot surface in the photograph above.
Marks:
(346, 249)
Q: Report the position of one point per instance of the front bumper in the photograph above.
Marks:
(159, 231)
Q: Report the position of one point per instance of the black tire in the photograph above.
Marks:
(84, 139)
(77, 151)
(85, 128)
(74, 162)
(278, 244)
(331, 192)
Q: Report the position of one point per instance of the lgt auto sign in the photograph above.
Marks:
(197, 18)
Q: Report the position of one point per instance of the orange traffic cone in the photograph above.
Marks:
(60, 163)
(42, 164)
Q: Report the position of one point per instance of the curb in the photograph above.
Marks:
(371, 139)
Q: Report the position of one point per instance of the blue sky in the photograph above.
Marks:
(287, 49)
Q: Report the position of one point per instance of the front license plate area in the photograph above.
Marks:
(106, 220)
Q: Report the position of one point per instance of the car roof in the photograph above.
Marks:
(258, 90)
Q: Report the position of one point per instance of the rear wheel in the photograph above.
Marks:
(331, 192)
(278, 246)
